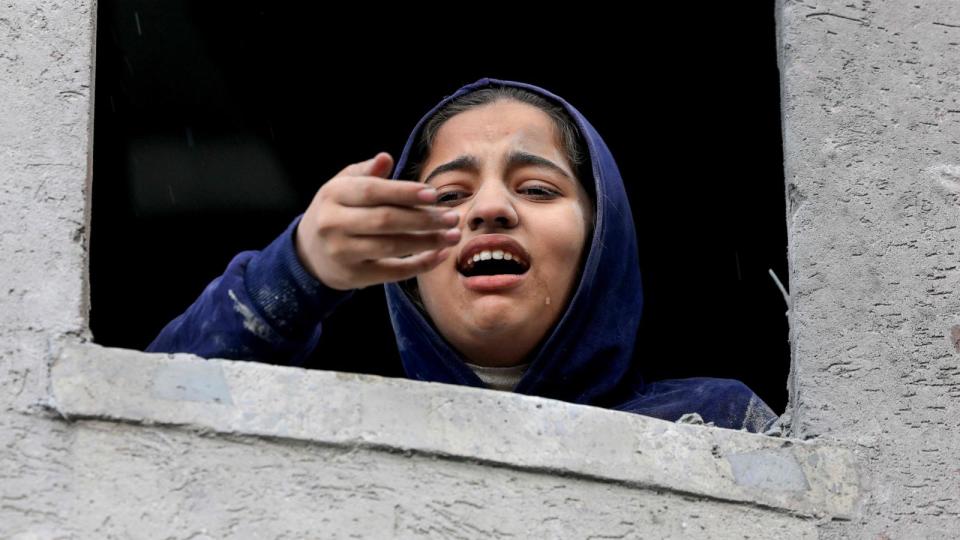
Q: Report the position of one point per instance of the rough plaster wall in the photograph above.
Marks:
(871, 110)
(498, 428)
(46, 51)
(45, 138)
(120, 481)
(109, 479)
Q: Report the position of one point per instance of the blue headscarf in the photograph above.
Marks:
(588, 356)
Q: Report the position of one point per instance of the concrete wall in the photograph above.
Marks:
(99, 442)
(871, 111)
(137, 445)
(46, 81)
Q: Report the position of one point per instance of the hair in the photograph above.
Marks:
(566, 128)
(567, 132)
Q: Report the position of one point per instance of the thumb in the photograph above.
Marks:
(379, 165)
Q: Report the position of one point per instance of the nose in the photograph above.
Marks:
(492, 207)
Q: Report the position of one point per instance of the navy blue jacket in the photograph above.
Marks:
(267, 307)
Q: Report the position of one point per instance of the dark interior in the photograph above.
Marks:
(216, 122)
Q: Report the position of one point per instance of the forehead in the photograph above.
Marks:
(508, 123)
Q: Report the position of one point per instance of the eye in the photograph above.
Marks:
(537, 192)
(448, 197)
(541, 192)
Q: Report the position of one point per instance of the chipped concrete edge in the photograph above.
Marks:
(802, 478)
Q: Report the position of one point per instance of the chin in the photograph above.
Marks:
(490, 319)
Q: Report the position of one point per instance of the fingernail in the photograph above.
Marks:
(451, 218)
(452, 234)
(427, 195)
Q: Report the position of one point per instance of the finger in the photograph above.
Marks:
(372, 191)
(398, 269)
(398, 245)
(379, 165)
(396, 219)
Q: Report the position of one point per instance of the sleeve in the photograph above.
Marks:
(265, 307)
(726, 403)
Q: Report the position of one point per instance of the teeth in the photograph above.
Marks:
(486, 255)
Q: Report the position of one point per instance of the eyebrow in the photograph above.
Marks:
(515, 160)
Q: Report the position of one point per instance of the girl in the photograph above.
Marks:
(505, 243)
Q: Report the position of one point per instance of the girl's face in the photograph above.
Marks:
(501, 165)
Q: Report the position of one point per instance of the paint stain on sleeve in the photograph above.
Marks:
(758, 416)
(250, 320)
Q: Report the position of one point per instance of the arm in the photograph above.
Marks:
(360, 229)
(265, 307)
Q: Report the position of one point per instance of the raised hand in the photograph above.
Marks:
(362, 229)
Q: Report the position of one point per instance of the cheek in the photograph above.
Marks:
(438, 276)
(565, 237)
(435, 289)
(584, 218)
(560, 240)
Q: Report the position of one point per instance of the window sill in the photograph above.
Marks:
(802, 478)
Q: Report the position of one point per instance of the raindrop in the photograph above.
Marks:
(136, 17)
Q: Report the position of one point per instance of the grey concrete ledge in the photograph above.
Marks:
(500, 428)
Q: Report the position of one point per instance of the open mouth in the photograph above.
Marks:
(487, 264)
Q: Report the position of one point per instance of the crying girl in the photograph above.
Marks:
(504, 240)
